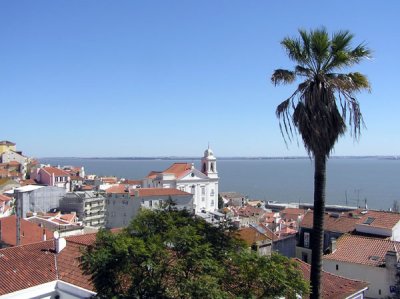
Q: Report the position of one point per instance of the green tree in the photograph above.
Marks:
(319, 109)
(172, 254)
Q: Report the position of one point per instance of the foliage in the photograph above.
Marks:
(172, 254)
(325, 100)
(320, 109)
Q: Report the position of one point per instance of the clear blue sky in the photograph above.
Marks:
(151, 78)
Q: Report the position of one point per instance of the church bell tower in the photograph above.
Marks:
(209, 164)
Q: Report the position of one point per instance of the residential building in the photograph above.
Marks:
(233, 199)
(185, 177)
(245, 216)
(334, 286)
(35, 198)
(364, 258)
(89, 206)
(255, 240)
(283, 244)
(123, 203)
(6, 146)
(64, 224)
(52, 176)
(379, 224)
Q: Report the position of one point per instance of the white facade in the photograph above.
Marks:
(202, 184)
(380, 278)
(51, 290)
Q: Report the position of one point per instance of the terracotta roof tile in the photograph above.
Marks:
(30, 265)
(346, 222)
(177, 169)
(145, 192)
(334, 286)
(370, 251)
(28, 182)
(56, 171)
(26, 266)
(30, 232)
(5, 198)
(251, 235)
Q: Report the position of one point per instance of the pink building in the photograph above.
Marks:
(52, 176)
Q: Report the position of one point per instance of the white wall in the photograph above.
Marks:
(378, 277)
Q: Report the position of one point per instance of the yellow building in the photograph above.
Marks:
(6, 146)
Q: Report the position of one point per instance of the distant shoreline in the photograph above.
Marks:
(169, 158)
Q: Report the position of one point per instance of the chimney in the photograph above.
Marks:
(391, 259)
(61, 243)
(136, 193)
(333, 245)
(44, 237)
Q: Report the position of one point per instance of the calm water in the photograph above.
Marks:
(373, 179)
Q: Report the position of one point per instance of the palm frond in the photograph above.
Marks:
(281, 76)
(320, 47)
(303, 71)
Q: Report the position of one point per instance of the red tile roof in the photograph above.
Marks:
(251, 235)
(132, 182)
(87, 187)
(56, 171)
(30, 265)
(145, 192)
(26, 266)
(30, 232)
(118, 189)
(370, 251)
(4, 198)
(346, 222)
(28, 182)
(334, 286)
(177, 169)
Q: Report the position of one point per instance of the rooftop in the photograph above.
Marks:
(29, 233)
(346, 222)
(56, 171)
(30, 265)
(334, 286)
(177, 169)
(370, 251)
(144, 192)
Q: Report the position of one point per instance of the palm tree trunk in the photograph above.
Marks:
(317, 237)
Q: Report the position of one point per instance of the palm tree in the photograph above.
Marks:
(320, 109)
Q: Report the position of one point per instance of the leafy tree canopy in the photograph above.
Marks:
(172, 254)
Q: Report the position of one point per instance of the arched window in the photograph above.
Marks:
(204, 167)
(212, 167)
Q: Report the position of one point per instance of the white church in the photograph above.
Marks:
(183, 176)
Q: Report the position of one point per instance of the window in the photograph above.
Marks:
(307, 240)
(203, 190)
(150, 203)
(212, 202)
(337, 267)
(212, 192)
(304, 257)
